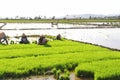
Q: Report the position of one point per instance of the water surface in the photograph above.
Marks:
(108, 37)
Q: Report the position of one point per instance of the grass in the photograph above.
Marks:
(20, 60)
(58, 20)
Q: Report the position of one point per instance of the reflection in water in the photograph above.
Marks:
(108, 37)
(105, 37)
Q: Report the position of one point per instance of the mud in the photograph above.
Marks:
(49, 77)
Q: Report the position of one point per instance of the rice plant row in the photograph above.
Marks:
(19, 60)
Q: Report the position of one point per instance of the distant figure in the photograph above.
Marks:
(42, 40)
(58, 37)
(54, 24)
(24, 39)
(3, 38)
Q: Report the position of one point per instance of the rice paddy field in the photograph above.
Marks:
(59, 56)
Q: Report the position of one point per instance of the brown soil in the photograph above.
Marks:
(73, 77)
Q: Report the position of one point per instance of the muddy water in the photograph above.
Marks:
(73, 77)
(34, 78)
(50, 77)
(105, 37)
(108, 37)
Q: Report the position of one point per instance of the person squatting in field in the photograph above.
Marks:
(3, 38)
(42, 40)
(58, 37)
(24, 39)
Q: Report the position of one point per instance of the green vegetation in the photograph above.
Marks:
(101, 70)
(59, 56)
(58, 20)
(65, 76)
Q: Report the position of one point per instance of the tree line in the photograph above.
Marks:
(64, 18)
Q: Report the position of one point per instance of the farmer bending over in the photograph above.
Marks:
(58, 37)
(42, 40)
(24, 39)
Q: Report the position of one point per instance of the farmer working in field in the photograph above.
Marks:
(58, 37)
(42, 40)
(24, 39)
(3, 38)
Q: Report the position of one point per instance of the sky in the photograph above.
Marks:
(49, 8)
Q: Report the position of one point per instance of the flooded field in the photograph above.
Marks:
(108, 37)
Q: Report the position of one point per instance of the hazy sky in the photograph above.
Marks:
(12, 8)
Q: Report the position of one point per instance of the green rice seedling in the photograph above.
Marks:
(54, 70)
(34, 42)
(58, 74)
(20, 60)
(100, 70)
(12, 42)
(65, 76)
